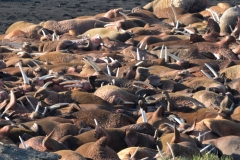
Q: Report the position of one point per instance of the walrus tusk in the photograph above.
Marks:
(46, 84)
(230, 28)
(201, 135)
(112, 60)
(117, 73)
(166, 54)
(212, 70)
(46, 77)
(30, 67)
(105, 60)
(144, 117)
(140, 46)
(22, 141)
(102, 84)
(171, 151)
(30, 102)
(177, 25)
(137, 64)
(44, 112)
(206, 74)
(202, 150)
(113, 82)
(214, 15)
(34, 127)
(189, 31)
(155, 134)
(138, 55)
(177, 120)
(175, 57)
(123, 31)
(37, 107)
(35, 63)
(108, 70)
(161, 52)
(170, 125)
(210, 150)
(109, 24)
(44, 34)
(37, 54)
(214, 18)
(146, 47)
(93, 64)
(70, 82)
(186, 34)
(160, 153)
(25, 78)
(133, 155)
(217, 16)
(124, 10)
(53, 36)
(56, 106)
(21, 52)
(9, 120)
(123, 14)
(95, 121)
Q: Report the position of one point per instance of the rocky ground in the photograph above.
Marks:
(11, 152)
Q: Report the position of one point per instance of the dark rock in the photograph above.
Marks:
(12, 152)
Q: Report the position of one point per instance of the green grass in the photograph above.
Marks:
(204, 157)
(207, 157)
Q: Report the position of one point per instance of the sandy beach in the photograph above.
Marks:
(41, 10)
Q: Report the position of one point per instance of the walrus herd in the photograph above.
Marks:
(160, 81)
